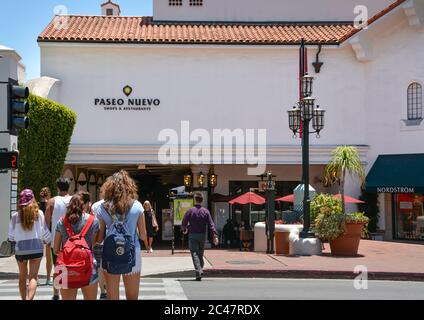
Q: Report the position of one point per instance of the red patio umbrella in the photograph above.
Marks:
(249, 197)
(348, 199)
(289, 198)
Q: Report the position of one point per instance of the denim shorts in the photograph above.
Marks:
(26, 257)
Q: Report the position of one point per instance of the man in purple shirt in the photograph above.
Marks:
(196, 222)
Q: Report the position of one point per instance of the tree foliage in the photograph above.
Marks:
(345, 160)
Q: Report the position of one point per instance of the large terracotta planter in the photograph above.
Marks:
(282, 243)
(348, 244)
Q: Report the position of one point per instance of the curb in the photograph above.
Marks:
(255, 273)
(311, 274)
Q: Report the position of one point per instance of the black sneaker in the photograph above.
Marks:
(55, 298)
(103, 296)
(198, 278)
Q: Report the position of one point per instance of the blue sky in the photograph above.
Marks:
(21, 21)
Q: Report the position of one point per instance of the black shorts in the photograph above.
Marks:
(26, 257)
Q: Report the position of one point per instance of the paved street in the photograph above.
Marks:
(251, 289)
(286, 289)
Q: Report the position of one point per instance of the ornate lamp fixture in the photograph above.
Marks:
(187, 180)
(318, 120)
(294, 119)
(213, 179)
(201, 180)
(307, 85)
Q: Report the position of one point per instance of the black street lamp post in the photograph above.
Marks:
(303, 114)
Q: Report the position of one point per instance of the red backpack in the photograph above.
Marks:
(76, 258)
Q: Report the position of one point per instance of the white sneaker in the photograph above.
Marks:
(151, 250)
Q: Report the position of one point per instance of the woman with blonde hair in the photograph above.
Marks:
(29, 230)
(121, 212)
(151, 225)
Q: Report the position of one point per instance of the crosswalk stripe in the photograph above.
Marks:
(142, 285)
(174, 291)
(51, 290)
(150, 289)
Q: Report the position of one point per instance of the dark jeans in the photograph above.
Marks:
(196, 243)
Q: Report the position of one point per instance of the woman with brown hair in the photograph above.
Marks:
(86, 225)
(28, 229)
(121, 205)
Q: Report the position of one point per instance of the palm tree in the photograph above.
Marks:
(345, 160)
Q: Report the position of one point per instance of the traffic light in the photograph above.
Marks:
(18, 107)
(9, 160)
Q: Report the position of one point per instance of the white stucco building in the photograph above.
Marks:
(234, 64)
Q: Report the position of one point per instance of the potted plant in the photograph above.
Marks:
(343, 231)
(353, 228)
(345, 161)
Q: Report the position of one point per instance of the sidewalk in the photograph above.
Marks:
(160, 262)
(383, 260)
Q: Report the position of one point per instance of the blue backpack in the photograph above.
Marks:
(118, 248)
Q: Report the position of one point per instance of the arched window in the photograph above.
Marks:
(415, 101)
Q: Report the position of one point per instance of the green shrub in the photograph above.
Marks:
(328, 218)
(356, 217)
(44, 145)
(329, 226)
(324, 203)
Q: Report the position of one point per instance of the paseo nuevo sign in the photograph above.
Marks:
(128, 104)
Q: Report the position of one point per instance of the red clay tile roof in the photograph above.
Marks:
(118, 29)
(144, 30)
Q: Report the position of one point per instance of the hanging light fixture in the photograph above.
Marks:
(187, 180)
(201, 179)
(213, 179)
(82, 179)
(92, 180)
(307, 85)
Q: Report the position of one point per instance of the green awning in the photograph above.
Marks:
(403, 173)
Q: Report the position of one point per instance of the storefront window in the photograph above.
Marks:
(409, 216)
